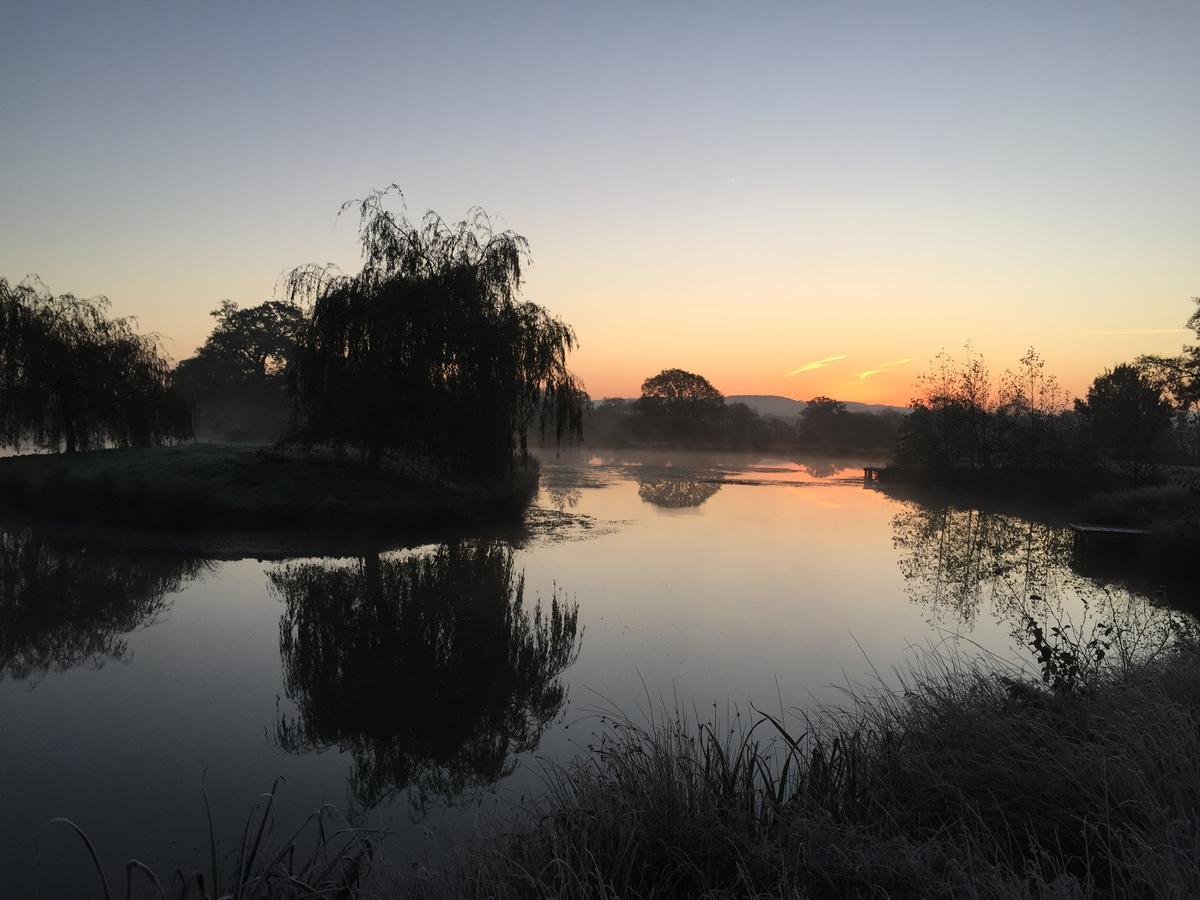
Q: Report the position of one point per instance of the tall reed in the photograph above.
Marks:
(333, 864)
(963, 781)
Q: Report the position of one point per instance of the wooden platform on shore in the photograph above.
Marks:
(1101, 547)
(1080, 529)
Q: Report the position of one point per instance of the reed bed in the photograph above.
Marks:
(965, 781)
(322, 858)
(962, 777)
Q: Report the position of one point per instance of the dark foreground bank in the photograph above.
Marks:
(966, 782)
(231, 486)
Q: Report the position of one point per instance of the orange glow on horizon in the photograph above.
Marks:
(860, 377)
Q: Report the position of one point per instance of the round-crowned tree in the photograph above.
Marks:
(1127, 414)
(680, 389)
(238, 381)
(680, 406)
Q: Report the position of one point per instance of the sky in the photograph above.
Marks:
(788, 198)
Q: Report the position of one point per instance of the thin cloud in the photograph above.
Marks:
(816, 364)
(863, 376)
(1138, 331)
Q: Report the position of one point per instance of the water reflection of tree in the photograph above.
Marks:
(563, 498)
(825, 468)
(954, 559)
(63, 606)
(429, 670)
(676, 493)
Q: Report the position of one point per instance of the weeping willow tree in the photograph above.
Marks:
(430, 670)
(72, 378)
(64, 605)
(427, 352)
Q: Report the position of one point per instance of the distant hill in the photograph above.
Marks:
(787, 408)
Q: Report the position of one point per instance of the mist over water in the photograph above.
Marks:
(417, 688)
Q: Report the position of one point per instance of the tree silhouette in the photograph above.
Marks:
(238, 381)
(429, 670)
(63, 606)
(680, 406)
(71, 378)
(1127, 414)
(821, 421)
(1179, 379)
(1179, 375)
(678, 389)
(953, 420)
(1032, 406)
(427, 350)
(255, 342)
(961, 419)
(827, 423)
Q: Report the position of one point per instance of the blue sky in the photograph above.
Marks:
(736, 189)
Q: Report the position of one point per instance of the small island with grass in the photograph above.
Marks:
(400, 397)
(216, 486)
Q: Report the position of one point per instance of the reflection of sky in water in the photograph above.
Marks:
(761, 589)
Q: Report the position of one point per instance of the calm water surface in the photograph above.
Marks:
(416, 689)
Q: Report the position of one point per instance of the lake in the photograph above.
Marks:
(419, 691)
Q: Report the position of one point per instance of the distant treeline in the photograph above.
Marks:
(1136, 416)
(682, 409)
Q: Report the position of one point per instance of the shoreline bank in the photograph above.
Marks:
(236, 489)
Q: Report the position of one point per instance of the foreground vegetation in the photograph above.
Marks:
(324, 857)
(963, 783)
(229, 486)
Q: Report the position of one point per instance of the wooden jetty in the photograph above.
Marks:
(871, 473)
(1098, 545)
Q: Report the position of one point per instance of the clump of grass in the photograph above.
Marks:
(334, 864)
(966, 781)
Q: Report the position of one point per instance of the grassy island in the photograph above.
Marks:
(243, 487)
(425, 367)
